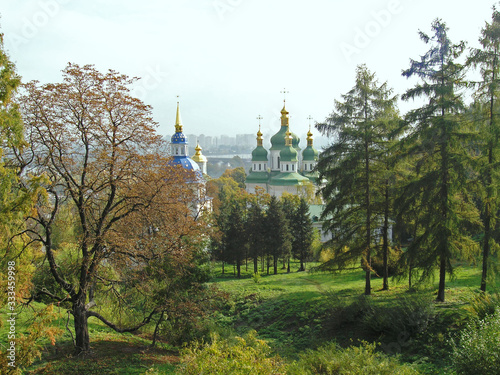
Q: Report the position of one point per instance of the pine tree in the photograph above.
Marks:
(303, 233)
(352, 169)
(235, 239)
(488, 60)
(436, 141)
(278, 235)
(255, 233)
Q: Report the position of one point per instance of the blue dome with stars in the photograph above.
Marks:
(186, 162)
(178, 138)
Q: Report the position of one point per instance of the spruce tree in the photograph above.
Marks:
(352, 168)
(488, 60)
(436, 140)
(255, 233)
(277, 232)
(303, 234)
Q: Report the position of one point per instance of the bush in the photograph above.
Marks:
(478, 347)
(342, 311)
(331, 359)
(247, 355)
(484, 304)
(407, 315)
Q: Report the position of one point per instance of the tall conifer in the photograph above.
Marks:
(488, 60)
(436, 140)
(352, 168)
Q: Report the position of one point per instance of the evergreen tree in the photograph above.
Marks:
(235, 239)
(488, 60)
(255, 233)
(437, 143)
(278, 238)
(303, 233)
(352, 169)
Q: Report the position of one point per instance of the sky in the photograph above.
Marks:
(230, 61)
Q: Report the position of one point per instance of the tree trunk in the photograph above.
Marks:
(486, 246)
(255, 265)
(80, 317)
(385, 239)
(442, 276)
(157, 328)
(275, 264)
(368, 288)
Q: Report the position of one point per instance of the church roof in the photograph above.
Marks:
(257, 177)
(288, 179)
(278, 140)
(259, 154)
(198, 156)
(288, 154)
(186, 162)
(310, 154)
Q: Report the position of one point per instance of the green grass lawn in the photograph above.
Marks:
(291, 311)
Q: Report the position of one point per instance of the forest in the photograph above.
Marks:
(116, 261)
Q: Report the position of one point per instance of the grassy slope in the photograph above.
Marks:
(288, 310)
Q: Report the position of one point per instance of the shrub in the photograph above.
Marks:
(408, 315)
(484, 304)
(248, 355)
(343, 311)
(478, 347)
(256, 277)
(331, 359)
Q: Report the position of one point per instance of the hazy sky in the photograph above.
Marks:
(230, 59)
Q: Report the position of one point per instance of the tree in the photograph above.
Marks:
(17, 252)
(98, 148)
(352, 169)
(488, 60)
(255, 233)
(277, 233)
(303, 233)
(235, 240)
(438, 143)
(237, 174)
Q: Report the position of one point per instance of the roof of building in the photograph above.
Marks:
(259, 154)
(310, 154)
(257, 177)
(288, 179)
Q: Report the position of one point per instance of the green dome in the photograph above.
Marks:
(310, 154)
(259, 154)
(278, 140)
(288, 154)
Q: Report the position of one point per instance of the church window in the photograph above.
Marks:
(278, 161)
(293, 167)
(260, 167)
(287, 167)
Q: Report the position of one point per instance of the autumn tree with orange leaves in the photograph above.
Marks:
(102, 160)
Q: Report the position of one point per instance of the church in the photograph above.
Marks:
(285, 167)
(196, 164)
